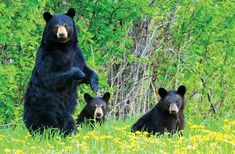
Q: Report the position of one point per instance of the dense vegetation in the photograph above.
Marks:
(136, 46)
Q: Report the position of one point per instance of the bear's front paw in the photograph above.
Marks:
(78, 73)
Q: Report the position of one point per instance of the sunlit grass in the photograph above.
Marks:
(200, 136)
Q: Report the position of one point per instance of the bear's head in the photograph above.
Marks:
(172, 101)
(97, 106)
(60, 28)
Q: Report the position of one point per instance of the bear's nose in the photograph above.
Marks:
(61, 34)
(98, 114)
(172, 112)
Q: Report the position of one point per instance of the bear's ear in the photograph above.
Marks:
(87, 97)
(106, 97)
(162, 92)
(71, 13)
(181, 90)
(47, 16)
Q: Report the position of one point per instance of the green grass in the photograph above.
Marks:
(201, 136)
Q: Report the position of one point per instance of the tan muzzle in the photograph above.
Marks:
(98, 113)
(173, 109)
(62, 32)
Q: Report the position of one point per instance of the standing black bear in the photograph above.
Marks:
(167, 114)
(95, 109)
(50, 99)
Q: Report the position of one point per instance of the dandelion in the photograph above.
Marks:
(206, 138)
(197, 127)
(226, 120)
(227, 127)
(68, 148)
(232, 122)
(196, 139)
(18, 151)
(105, 137)
(92, 133)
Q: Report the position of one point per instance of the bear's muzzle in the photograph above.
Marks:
(62, 34)
(98, 112)
(173, 109)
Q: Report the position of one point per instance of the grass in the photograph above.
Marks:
(201, 136)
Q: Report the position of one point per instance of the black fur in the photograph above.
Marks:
(50, 99)
(87, 115)
(160, 119)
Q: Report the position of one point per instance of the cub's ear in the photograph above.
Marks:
(181, 90)
(106, 97)
(162, 92)
(47, 16)
(71, 13)
(87, 97)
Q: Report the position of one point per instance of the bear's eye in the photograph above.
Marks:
(55, 28)
(66, 25)
(94, 106)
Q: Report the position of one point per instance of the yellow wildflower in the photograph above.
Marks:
(197, 127)
(18, 151)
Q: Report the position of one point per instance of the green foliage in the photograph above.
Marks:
(8, 92)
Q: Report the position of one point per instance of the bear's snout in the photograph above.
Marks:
(98, 112)
(173, 109)
(62, 33)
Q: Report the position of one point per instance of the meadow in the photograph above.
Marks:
(211, 135)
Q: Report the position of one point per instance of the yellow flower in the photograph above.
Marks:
(92, 133)
(18, 151)
(197, 127)
(232, 122)
(105, 137)
(68, 148)
(85, 137)
(206, 138)
(227, 127)
(226, 120)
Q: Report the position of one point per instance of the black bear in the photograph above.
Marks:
(95, 109)
(166, 116)
(50, 99)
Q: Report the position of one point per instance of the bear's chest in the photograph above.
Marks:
(60, 60)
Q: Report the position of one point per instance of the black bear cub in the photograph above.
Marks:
(166, 116)
(95, 109)
(50, 99)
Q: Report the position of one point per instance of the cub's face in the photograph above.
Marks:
(172, 100)
(60, 27)
(97, 106)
